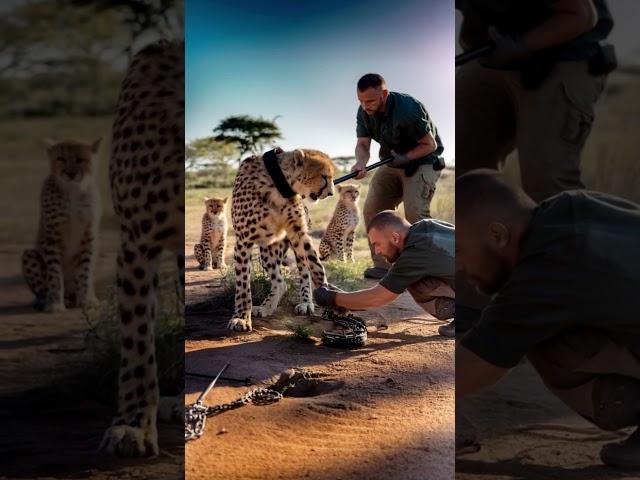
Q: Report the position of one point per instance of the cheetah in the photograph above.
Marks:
(210, 251)
(146, 174)
(338, 238)
(59, 271)
(272, 215)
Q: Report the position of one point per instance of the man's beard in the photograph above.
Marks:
(394, 256)
(498, 280)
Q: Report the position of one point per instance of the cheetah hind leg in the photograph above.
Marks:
(271, 257)
(199, 252)
(33, 269)
(324, 250)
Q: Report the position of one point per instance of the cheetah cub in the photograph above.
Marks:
(210, 251)
(59, 270)
(338, 238)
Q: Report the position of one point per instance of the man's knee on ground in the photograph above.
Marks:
(616, 402)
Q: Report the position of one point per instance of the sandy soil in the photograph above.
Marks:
(392, 419)
(526, 433)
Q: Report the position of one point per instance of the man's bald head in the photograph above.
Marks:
(387, 232)
(484, 194)
(387, 219)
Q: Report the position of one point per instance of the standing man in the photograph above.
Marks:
(423, 261)
(402, 127)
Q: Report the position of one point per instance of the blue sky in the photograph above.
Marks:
(300, 60)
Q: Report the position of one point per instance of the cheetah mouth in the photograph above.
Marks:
(315, 196)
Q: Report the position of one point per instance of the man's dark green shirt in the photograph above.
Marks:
(399, 127)
(429, 251)
(579, 267)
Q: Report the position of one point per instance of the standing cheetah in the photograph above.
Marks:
(338, 238)
(211, 249)
(59, 271)
(147, 186)
(274, 218)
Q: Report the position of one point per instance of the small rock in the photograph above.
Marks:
(223, 431)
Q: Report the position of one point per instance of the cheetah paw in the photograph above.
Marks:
(304, 308)
(55, 308)
(126, 441)
(239, 325)
(261, 311)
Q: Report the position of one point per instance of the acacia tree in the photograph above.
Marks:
(248, 134)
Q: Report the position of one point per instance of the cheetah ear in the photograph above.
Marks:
(298, 157)
(47, 142)
(206, 199)
(224, 200)
(95, 145)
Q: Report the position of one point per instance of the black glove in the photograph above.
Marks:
(325, 296)
(399, 159)
(507, 50)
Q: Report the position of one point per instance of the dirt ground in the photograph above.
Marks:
(392, 419)
(43, 435)
(527, 434)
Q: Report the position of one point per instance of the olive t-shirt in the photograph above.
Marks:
(429, 251)
(399, 127)
(579, 267)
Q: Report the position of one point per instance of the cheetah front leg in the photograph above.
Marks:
(241, 320)
(308, 263)
(340, 248)
(52, 257)
(271, 257)
(134, 431)
(218, 255)
(83, 272)
(349, 246)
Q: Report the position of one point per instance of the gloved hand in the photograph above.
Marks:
(325, 296)
(399, 159)
(507, 50)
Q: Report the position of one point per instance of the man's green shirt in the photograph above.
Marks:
(399, 127)
(579, 268)
(429, 251)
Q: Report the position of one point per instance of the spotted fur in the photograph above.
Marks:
(210, 251)
(59, 270)
(338, 237)
(262, 216)
(146, 174)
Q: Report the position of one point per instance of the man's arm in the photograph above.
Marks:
(376, 296)
(363, 148)
(473, 373)
(426, 145)
(570, 19)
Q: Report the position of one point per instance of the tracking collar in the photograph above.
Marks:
(275, 172)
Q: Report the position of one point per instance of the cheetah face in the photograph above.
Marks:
(71, 161)
(313, 174)
(214, 206)
(349, 193)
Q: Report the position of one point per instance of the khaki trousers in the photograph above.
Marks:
(435, 297)
(595, 375)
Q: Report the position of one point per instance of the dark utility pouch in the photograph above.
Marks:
(604, 61)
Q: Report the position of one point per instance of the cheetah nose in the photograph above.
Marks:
(330, 194)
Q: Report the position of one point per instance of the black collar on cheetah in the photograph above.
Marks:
(275, 172)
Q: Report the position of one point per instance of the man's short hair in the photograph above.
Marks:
(485, 190)
(370, 80)
(386, 219)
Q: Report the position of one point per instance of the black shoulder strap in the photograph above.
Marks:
(275, 172)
